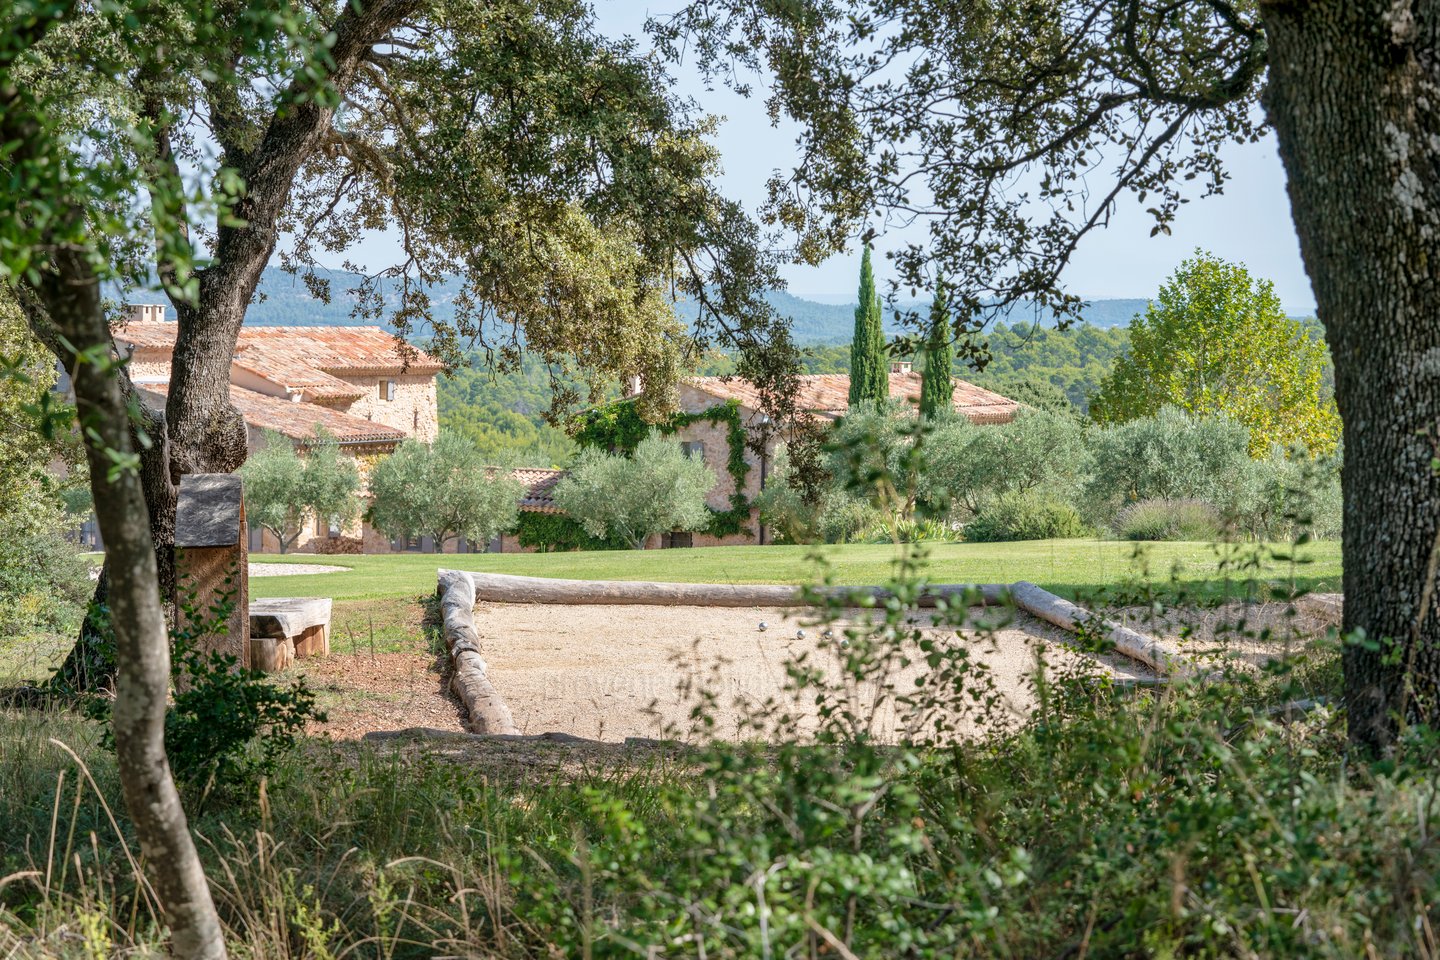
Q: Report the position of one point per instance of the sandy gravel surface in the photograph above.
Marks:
(291, 569)
(610, 672)
(1249, 632)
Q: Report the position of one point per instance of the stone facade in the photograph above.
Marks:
(410, 405)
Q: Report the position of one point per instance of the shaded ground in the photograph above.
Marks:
(387, 691)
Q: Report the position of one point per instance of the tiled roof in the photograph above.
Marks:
(539, 488)
(828, 394)
(305, 358)
(299, 420)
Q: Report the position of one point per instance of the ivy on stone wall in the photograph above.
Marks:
(551, 532)
(619, 428)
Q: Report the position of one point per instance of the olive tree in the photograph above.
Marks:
(442, 490)
(1009, 130)
(656, 490)
(284, 489)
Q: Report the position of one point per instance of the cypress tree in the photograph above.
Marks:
(936, 386)
(869, 371)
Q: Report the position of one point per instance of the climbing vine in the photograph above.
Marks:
(619, 428)
(553, 532)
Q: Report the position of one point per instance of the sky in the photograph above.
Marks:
(1250, 223)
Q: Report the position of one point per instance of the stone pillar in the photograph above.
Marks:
(212, 563)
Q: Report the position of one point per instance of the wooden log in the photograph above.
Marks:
(469, 678)
(1062, 613)
(271, 654)
(313, 642)
(506, 588)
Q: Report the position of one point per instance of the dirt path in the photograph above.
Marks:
(613, 672)
(386, 691)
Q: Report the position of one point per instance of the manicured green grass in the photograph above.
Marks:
(1071, 567)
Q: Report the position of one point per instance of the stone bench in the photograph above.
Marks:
(284, 629)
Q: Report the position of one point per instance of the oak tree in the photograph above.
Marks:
(553, 168)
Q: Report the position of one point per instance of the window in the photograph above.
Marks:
(387, 389)
(694, 449)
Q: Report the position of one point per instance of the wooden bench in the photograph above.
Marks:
(283, 629)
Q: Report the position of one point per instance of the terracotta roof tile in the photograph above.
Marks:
(539, 488)
(299, 420)
(303, 357)
(828, 394)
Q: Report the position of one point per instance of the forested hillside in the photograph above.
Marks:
(285, 301)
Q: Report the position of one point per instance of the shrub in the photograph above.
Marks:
(44, 584)
(912, 531)
(1170, 456)
(1025, 516)
(1170, 520)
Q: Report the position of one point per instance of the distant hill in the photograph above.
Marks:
(285, 301)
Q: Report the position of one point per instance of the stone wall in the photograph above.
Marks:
(414, 409)
(716, 438)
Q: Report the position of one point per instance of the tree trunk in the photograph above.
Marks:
(72, 298)
(1353, 96)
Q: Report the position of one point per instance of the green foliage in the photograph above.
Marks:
(284, 490)
(1025, 358)
(503, 413)
(869, 362)
(968, 465)
(1173, 455)
(619, 427)
(1216, 343)
(554, 532)
(655, 490)
(1170, 520)
(442, 490)
(44, 583)
(226, 728)
(936, 386)
(1025, 515)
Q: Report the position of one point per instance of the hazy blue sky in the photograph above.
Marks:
(1250, 223)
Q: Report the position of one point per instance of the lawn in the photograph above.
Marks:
(1070, 567)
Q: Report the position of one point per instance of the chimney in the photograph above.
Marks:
(145, 313)
(899, 367)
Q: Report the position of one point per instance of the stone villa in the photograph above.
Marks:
(352, 382)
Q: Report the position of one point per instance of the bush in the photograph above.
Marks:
(1170, 520)
(44, 584)
(1025, 516)
(1170, 456)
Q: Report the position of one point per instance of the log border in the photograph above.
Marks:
(489, 714)
(486, 710)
